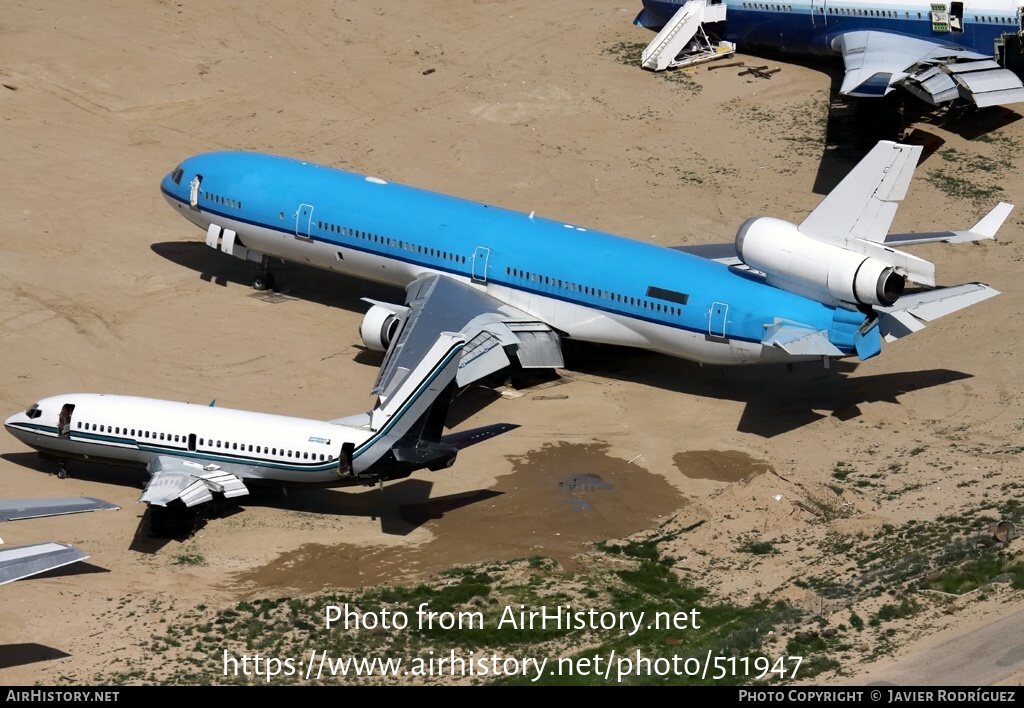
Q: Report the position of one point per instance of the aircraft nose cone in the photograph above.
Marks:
(167, 185)
(16, 418)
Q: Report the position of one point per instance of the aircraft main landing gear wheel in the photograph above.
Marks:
(62, 471)
(263, 281)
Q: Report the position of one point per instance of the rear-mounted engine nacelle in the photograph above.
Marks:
(822, 271)
(378, 328)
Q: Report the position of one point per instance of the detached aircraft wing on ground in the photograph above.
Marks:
(20, 562)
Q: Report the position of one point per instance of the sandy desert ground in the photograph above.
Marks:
(523, 105)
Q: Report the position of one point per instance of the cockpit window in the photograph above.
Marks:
(33, 412)
(176, 175)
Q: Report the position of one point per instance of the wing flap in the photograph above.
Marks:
(877, 61)
(483, 355)
(800, 340)
(175, 479)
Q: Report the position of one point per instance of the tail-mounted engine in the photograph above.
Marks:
(822, 271)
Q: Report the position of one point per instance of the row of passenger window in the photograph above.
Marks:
(213, 444)
(223, 200)
(117, 430)
(850, 11)
(595, 292)
(856, 12)
(403, 245)
(263, 450)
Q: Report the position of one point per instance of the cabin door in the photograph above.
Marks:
(717, 318)
(480, 257)
(64, 420)
(818, 13)
(193, 192)
(303, 222)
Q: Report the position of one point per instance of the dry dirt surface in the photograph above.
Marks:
(527, 106)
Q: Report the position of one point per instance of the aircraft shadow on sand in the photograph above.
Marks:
(297, 281)
(12, 655)
(855, 125)
(777, 400)
(401, 507)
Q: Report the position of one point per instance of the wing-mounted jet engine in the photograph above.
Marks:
(380, 324)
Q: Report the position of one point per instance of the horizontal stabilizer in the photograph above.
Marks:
(23, 561)
(15, 509)
(463, 439)
(800, 341)
(915, 310)
(984, 229)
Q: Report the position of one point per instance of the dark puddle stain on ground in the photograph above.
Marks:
(558, 501)
(720, 465)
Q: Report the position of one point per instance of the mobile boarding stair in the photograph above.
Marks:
(683, 41)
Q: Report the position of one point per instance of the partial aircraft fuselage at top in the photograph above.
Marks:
(808, 27)
(819, 290)
(963, 51)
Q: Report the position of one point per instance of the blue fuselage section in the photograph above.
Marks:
(583, 283)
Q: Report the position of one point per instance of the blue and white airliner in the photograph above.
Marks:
(938, 51)
(830, 287)
(485, 285)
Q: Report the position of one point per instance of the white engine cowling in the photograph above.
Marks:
(378, 327)
(815, 269)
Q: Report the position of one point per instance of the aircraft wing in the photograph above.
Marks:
(436, 304)
(173, 478)
(721, 252)
(15, 509)
(22, 561)
(877, 61)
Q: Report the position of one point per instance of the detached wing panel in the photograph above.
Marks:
(173, 479)
(23, 561)
(15, 509)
